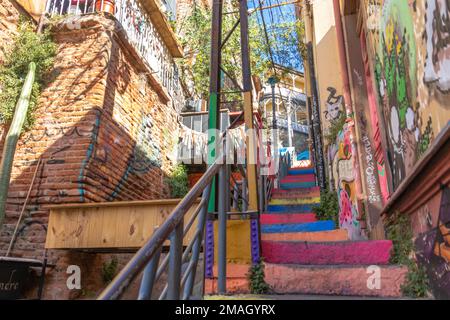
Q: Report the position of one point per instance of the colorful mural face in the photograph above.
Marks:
(433, 250)
(340, 155)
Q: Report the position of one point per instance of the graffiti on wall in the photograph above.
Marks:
(333, 105)
(145, 155)
(437, 38)
(341, 158)
(396, 70)
(433, 249)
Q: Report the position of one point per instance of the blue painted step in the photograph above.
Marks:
(325, 225)
(296, 185)
(298, 208)
(301, 171)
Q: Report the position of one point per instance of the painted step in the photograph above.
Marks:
(268, 218)
(296, 185)
(295, 193)
(335, 253)
(299, 208)
(299, 190)
(320, 236)
(299, 178)
(236, 283)
(296, 171)
(299, 227)
(297, 201)
(333, 280)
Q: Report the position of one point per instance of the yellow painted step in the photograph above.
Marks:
(322, 236)
(295, 201)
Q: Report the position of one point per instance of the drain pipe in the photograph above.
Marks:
(347, 97)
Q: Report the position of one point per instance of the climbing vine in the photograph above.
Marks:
(399, 231)
(28, 46)
(336, 126)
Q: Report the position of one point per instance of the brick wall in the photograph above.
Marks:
(103, 133)
(9, 17)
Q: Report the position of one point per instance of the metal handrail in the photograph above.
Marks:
(168, 229)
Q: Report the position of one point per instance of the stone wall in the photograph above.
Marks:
(103, 133)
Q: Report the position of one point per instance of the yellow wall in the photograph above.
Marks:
(328, 73)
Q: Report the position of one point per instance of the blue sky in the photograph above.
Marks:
(283, 54)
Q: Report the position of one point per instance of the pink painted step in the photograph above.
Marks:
(330, 253)
(288, 218)
(333, 280)
(299, 178)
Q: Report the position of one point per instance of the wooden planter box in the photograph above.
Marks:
(109, 226)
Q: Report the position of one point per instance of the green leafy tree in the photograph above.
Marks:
(195, 35)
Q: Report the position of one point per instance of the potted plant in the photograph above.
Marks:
(105, 6)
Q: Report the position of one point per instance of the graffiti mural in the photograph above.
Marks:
(333, 105)
(340, 156)
(433, 250)
(395, 70)
(437, 37)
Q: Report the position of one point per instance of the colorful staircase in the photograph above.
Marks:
(306, 256)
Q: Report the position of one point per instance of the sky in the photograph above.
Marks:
(280, 20)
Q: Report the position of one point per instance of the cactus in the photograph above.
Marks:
(12, 137)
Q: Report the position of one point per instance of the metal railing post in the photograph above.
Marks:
(148, 278)
(175, 257)
(244, 195)
(197, 245)
(222, 235)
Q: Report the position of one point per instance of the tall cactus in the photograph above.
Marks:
(12, 137)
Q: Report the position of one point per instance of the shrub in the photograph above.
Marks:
(256, 277)
(329, 207)
(178, 182)
(399, 231)
(28, 47)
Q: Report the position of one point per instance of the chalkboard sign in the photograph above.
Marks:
(14, 274)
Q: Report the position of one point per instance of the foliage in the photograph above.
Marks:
(329, 207)
(109, 270)
(28, 46)
(400, 232)
(256, 278)
(178, 182)
(335, 127)
(195, 35)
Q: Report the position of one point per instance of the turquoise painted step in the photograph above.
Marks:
(296, 185)
(301, 171)
(317, 226)
(298, 208)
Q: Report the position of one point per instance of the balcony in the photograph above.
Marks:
(147, 30)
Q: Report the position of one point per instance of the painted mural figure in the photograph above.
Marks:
(437, 35)
(395, 70)
(433, 250)
(333, 105)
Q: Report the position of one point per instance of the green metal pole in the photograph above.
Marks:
(12, 137)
